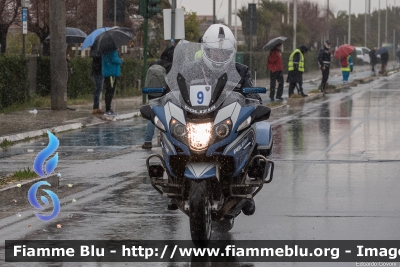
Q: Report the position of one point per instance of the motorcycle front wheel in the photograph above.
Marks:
(200, 213)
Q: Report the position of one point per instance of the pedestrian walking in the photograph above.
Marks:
(296, 69)
(111, 70)
(69, 69)
(324, 61)
(384, 62)
(373, 59)
(275, 66)
(398, 53)
(347, 67)
(156, 78)
(98, 80)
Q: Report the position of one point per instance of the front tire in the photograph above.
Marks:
(200, 213)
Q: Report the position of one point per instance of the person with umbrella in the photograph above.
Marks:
(324, 61)
(384, 52)
(296, 69)
(105, 44)
(111, 70)
(384, 62)
(97, 73)
(343, 53)
(373, 59)
(347, 67)
(275, 66)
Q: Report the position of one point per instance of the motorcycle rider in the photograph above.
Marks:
(218, 49)
(213, 61)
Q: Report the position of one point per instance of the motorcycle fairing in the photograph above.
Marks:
(241, 149)
(264, 135)
(244, 113)
(200, 170)
(160, 112)
(167, 149)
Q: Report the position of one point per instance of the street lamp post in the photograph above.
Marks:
(349, 21)
(235, 19)
(230, 13)
(214, 12)
(327, 18)
(379, 24)
(294, 24)
(386, 29)
(99, 20)
(365, 24)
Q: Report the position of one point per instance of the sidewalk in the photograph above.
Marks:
(17, 126)
(313, 76)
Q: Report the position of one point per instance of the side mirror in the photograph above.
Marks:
(147, 113)
(254, 90)
(152, 90)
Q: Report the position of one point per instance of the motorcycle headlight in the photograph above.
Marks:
(222, 130)
(244, 124)
(199, 135)
(178, 128)
(178, 131)
(159, 124)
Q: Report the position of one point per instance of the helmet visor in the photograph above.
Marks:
(217, 54)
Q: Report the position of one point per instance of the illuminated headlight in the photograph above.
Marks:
(199, 135)
(158, 123)
(244, 124)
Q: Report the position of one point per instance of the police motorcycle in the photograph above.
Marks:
(215, 142)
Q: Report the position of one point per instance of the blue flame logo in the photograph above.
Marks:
(49, 167)
(32, 199)
(44, 154)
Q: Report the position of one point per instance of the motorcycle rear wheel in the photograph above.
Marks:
(200, 213)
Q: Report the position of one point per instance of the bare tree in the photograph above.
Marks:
(58, 63)
(8, 12)
(38, 19)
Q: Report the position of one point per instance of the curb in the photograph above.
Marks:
(120, 117)
(392, 72)
(302, 101)
(13, 191)
(63, 128)
(31, 134)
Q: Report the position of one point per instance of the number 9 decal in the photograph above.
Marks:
(200, 97)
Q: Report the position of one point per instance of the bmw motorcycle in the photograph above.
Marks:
(215, 142)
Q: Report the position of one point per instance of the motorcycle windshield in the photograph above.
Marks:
(202, 75)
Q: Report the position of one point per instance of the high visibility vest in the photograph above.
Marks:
(347, 68)
(198, 55)
(301, 63)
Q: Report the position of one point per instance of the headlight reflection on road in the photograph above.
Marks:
(199, 135)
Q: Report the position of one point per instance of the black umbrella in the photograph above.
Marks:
(110, 40)
(274, 42)
(382, 50)
(73, 36)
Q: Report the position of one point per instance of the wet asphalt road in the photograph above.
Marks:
(336, 177)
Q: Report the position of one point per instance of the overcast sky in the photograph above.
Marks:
(205, 7)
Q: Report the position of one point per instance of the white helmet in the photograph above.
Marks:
(218, 47)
